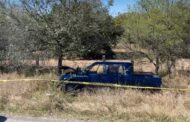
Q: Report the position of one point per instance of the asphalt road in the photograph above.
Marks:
(36, 119)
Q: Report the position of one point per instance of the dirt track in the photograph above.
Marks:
(36, 119)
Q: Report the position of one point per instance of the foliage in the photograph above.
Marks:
(63, 28)
(155, 29)
(74, 28)
(36, 29)
(3, 30)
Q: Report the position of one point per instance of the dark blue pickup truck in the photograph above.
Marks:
(121, 73)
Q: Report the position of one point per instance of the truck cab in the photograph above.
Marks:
(109, 72)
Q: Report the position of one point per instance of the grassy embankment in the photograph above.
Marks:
(42, 99)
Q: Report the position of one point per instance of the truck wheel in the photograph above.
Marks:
(70, 87)
(60, 86)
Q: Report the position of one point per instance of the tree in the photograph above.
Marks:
(155, 30)
(184, 6)
(73, 28)
(3, 31)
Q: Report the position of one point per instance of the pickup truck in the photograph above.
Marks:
(121, 73)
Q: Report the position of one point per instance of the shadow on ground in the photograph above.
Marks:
(3, 119)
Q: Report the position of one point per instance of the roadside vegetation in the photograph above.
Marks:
(44, 99)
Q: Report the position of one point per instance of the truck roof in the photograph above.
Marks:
(126, 64)
(113, 62)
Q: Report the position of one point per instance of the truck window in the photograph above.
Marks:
(113, 68)
(99, 69)
(122, 70)
(118, 69)
(94, 68)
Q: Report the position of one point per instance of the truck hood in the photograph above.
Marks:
(74, 77)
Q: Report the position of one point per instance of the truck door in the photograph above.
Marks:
(104, 73)
(121, 74)
(104, 76)
(93, 75)
(98, 73)
(112, 74)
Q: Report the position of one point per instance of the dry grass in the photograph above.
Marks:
(43, 99)
(133, 105)
(13, 76)
(5, 76)
(177, 81)
(25, 96)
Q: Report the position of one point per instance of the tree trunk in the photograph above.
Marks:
(60, 64)
(37, 60)
(60, 59)
(170, 66)
(157, 69)
(157, 65)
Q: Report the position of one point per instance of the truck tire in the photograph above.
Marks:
(73, 88)
(70, 87)
(60, 86)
